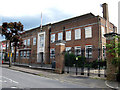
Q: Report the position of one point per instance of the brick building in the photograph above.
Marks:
(80, 33)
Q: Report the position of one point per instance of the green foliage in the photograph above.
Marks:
(69, 59)
(114, 50)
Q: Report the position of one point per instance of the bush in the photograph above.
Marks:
(81, 61)
(69, 59)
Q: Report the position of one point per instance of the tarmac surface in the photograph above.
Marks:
(91, 82)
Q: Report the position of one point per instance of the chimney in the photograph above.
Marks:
(105, 11)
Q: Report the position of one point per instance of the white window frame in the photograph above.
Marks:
(78, 48)
(68, 35)
(103, 31)
(28, 42)
(88, 32)
(34, 41)
(52, 55)
(60, 36)
(52, 38)
(90, 53)
(77, 34)
(68, 49)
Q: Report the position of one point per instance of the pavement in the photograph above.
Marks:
(93, 82)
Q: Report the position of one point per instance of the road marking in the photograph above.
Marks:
(10, 80)
(14, 87)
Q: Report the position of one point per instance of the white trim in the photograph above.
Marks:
(38, 45)
(60, 44)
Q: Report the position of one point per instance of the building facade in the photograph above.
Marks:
(80, 33)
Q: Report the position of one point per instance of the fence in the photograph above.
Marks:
(89, 62)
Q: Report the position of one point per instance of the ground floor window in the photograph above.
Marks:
(78, 50)
(88, 51)
(68, 49)
(52, 53)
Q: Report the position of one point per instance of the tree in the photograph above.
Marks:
(12, 32)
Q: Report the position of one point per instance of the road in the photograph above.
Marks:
(17, 79)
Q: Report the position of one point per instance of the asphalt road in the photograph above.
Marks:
(17, 79)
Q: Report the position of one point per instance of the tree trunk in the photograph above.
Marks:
(6, 52)
(15, 53)
(10, 55)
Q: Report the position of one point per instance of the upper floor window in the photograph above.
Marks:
(52, 38)
(77, 34)
(88, 51)
(34, 41)
(78, 50)
(60, 36)
(88, 32)
(28, 42)
(68, 35)
(103, 31)
(25, 42)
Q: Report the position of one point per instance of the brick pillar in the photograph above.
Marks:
(59, 57)
(111, 68)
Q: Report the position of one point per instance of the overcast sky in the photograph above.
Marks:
(29, 11)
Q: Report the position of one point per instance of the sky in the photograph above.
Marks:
(28, 12)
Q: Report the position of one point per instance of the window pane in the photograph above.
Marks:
(88, 51)
(60, 36)
(68, 35)
(52, 53)
(28, 42)
(78, 50)
(52, 38)
(77, 34)
(34, 41)
(103, 31)
(88, 32)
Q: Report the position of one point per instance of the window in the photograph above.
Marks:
(16, 54)
(21, 53)
(25, 42)
(28, 54)
(42, 40)
(104, 52)
(88, 51)
(52, 53)
(52, 38)
(103, 31)
(24, 53)
(68, 49)
(78, 50)
(77, 34)
(28, 43)
(60, 36)
(34, 41)
(68, 35)
(88, 32)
